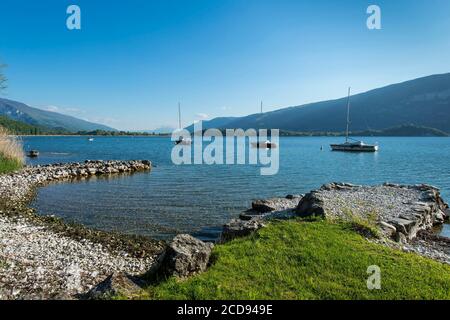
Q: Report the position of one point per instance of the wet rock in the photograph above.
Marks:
(250, 214)
(186, 256)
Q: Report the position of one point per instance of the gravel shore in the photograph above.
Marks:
(44, 258)
(37, 263)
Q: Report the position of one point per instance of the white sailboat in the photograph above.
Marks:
(181, 141)
(264, 145)
(350, 144)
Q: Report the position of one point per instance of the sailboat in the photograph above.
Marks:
(350, 144)
(264, 145)
(181, 141)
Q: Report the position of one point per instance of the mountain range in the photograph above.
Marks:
(46, 119)
(420, 102)
(421, 105)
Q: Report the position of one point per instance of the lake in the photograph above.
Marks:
(198, 199)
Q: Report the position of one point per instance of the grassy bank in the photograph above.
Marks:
(9, 165)
(309, 260)
(11, 152)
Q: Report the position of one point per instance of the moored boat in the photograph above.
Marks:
(264, 145)
(356, 146)
(181, 141)
(353, 145)
(33, 153)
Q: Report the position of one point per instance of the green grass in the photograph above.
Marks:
(8, 165)
(308, 260)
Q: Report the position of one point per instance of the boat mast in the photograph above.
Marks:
(261, 107)
(179, 115)
(348, 115)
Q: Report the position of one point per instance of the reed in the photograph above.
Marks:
(12, 156)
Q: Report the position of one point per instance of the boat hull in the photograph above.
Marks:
(33, 154)
(264, 145)
(183, 142)
(353, 148)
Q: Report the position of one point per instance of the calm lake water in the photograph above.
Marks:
(198, 199)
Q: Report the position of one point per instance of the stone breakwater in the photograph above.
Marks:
(400, 211)
(17, 186)
(404, 214)
(255, 218)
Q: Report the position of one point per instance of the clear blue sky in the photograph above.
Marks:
(134, 60)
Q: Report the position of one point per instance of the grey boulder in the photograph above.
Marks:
(186, 256)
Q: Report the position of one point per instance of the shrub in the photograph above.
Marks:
(11, 152)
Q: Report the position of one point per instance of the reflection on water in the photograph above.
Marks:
(200, 198)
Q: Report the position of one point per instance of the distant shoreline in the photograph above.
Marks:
(400, 131)
(281, 135)
(83, 135)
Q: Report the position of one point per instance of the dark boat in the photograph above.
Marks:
(264, 145)
(355, 146)
(183, 142)
(33, 154)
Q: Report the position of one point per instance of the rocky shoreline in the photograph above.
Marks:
(404, 215)
(38, 263)
(45, 258)
(16, 188)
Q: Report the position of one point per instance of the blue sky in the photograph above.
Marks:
(134, 60)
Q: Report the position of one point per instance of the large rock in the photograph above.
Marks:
(263, 206)
(186, 256)
(275, 204)
(114, 285)
(311, 205)
(240, 228)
